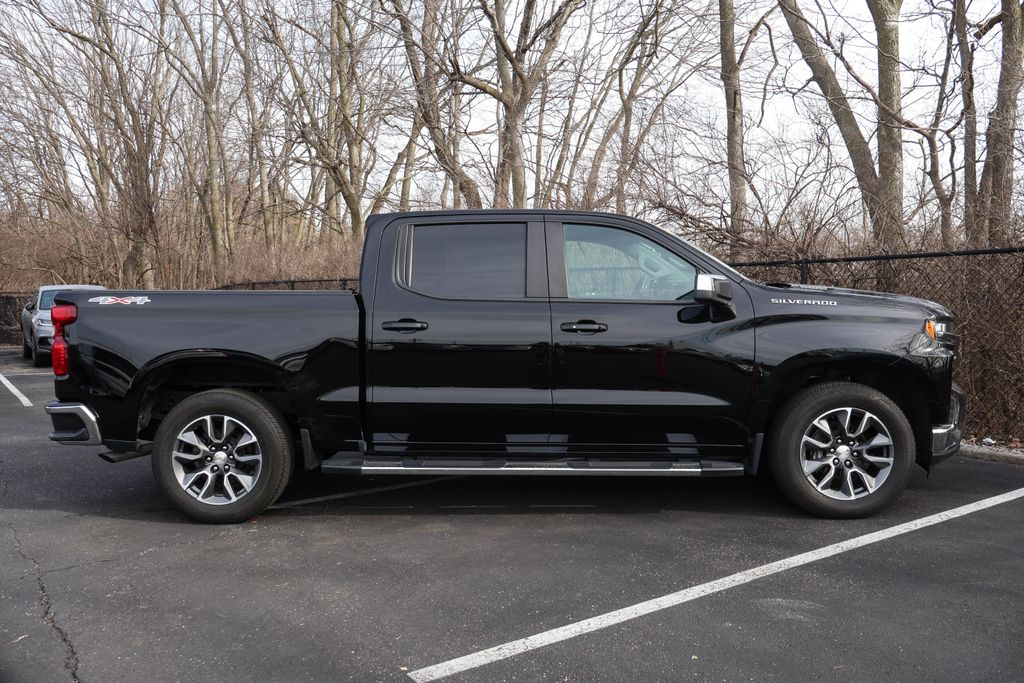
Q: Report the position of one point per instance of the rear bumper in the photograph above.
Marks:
(946, 437)
(74, 424)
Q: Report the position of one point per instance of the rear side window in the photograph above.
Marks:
(469, 261)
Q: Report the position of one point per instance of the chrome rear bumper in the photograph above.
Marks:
(74, 424)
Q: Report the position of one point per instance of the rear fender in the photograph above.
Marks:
(165, 379)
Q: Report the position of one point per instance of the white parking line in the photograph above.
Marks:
(14, 390)
(579, 628)
(362, 492)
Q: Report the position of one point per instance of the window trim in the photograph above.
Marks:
(558, 283)
(535, 286)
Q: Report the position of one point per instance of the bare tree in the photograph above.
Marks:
(995, 206)
(881, 187)
(423, 55)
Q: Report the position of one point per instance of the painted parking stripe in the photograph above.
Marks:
(579, 628)
(361, 492)
(14, 390)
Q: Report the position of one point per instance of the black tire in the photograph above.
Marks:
(38, 357)
(271, 432)
(26, 350)
(786, 457)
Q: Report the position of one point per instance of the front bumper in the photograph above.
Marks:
(946, 437)
(74, 424)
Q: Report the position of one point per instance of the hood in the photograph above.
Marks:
(42, 316)
(867, 297)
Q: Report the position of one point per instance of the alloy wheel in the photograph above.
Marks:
(846, 453)
(216, 459)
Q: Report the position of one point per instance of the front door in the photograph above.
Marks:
(460, 336)
(637, 364)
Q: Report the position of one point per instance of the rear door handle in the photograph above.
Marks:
(405, 325)
(584, 327)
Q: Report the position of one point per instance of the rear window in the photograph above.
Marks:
(469, 261)
(46, 298)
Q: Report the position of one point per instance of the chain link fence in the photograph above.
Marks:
(350, 283)
(11, 304)
(985, 290)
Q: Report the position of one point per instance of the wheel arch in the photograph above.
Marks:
(166, 381)
(898, 378)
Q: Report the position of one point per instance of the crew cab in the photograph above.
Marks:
(512, 343)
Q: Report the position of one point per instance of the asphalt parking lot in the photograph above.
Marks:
(394, 578)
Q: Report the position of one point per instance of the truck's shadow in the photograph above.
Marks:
(130, 493)
(524, 495)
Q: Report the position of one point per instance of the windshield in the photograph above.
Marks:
(726, 268)
(46, 299)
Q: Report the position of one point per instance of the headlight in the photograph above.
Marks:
(938, 330)
(44, 323)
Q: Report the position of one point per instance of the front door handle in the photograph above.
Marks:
(405, 326)
(584, 327)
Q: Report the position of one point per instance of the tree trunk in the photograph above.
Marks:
(997, 176)
(734, 129)
(888, 231)
(825, 78)
(882, 198)
(976, 237)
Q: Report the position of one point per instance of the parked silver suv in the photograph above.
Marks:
(36, 328)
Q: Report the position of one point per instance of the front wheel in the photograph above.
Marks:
(26, 350)
(841, 450)
(222, 456)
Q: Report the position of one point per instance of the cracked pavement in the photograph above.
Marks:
(100, 580)
(46, 606)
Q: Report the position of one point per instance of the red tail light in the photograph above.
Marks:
(61, 315)
(59, 356)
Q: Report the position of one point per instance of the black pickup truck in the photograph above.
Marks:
(512, 342)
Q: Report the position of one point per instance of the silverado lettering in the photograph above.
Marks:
(813, 302)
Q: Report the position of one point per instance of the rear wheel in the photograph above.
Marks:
(841, 450)
(222, 456)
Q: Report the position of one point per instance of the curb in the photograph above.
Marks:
(1003, 455)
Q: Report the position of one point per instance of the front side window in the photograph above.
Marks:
(469, 261)
(609, 263)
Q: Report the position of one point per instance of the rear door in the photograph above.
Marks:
(637, 364)
(460, 335)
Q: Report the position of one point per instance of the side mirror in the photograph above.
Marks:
(712, 289)
(30, 306)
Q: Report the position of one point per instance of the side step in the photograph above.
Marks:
(348, 463)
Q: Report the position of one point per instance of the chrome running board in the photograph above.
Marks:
(346, 463)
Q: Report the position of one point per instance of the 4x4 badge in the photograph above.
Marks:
(104, 300)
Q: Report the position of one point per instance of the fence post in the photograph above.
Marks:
(805, 267)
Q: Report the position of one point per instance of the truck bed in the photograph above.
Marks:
(128, 346)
